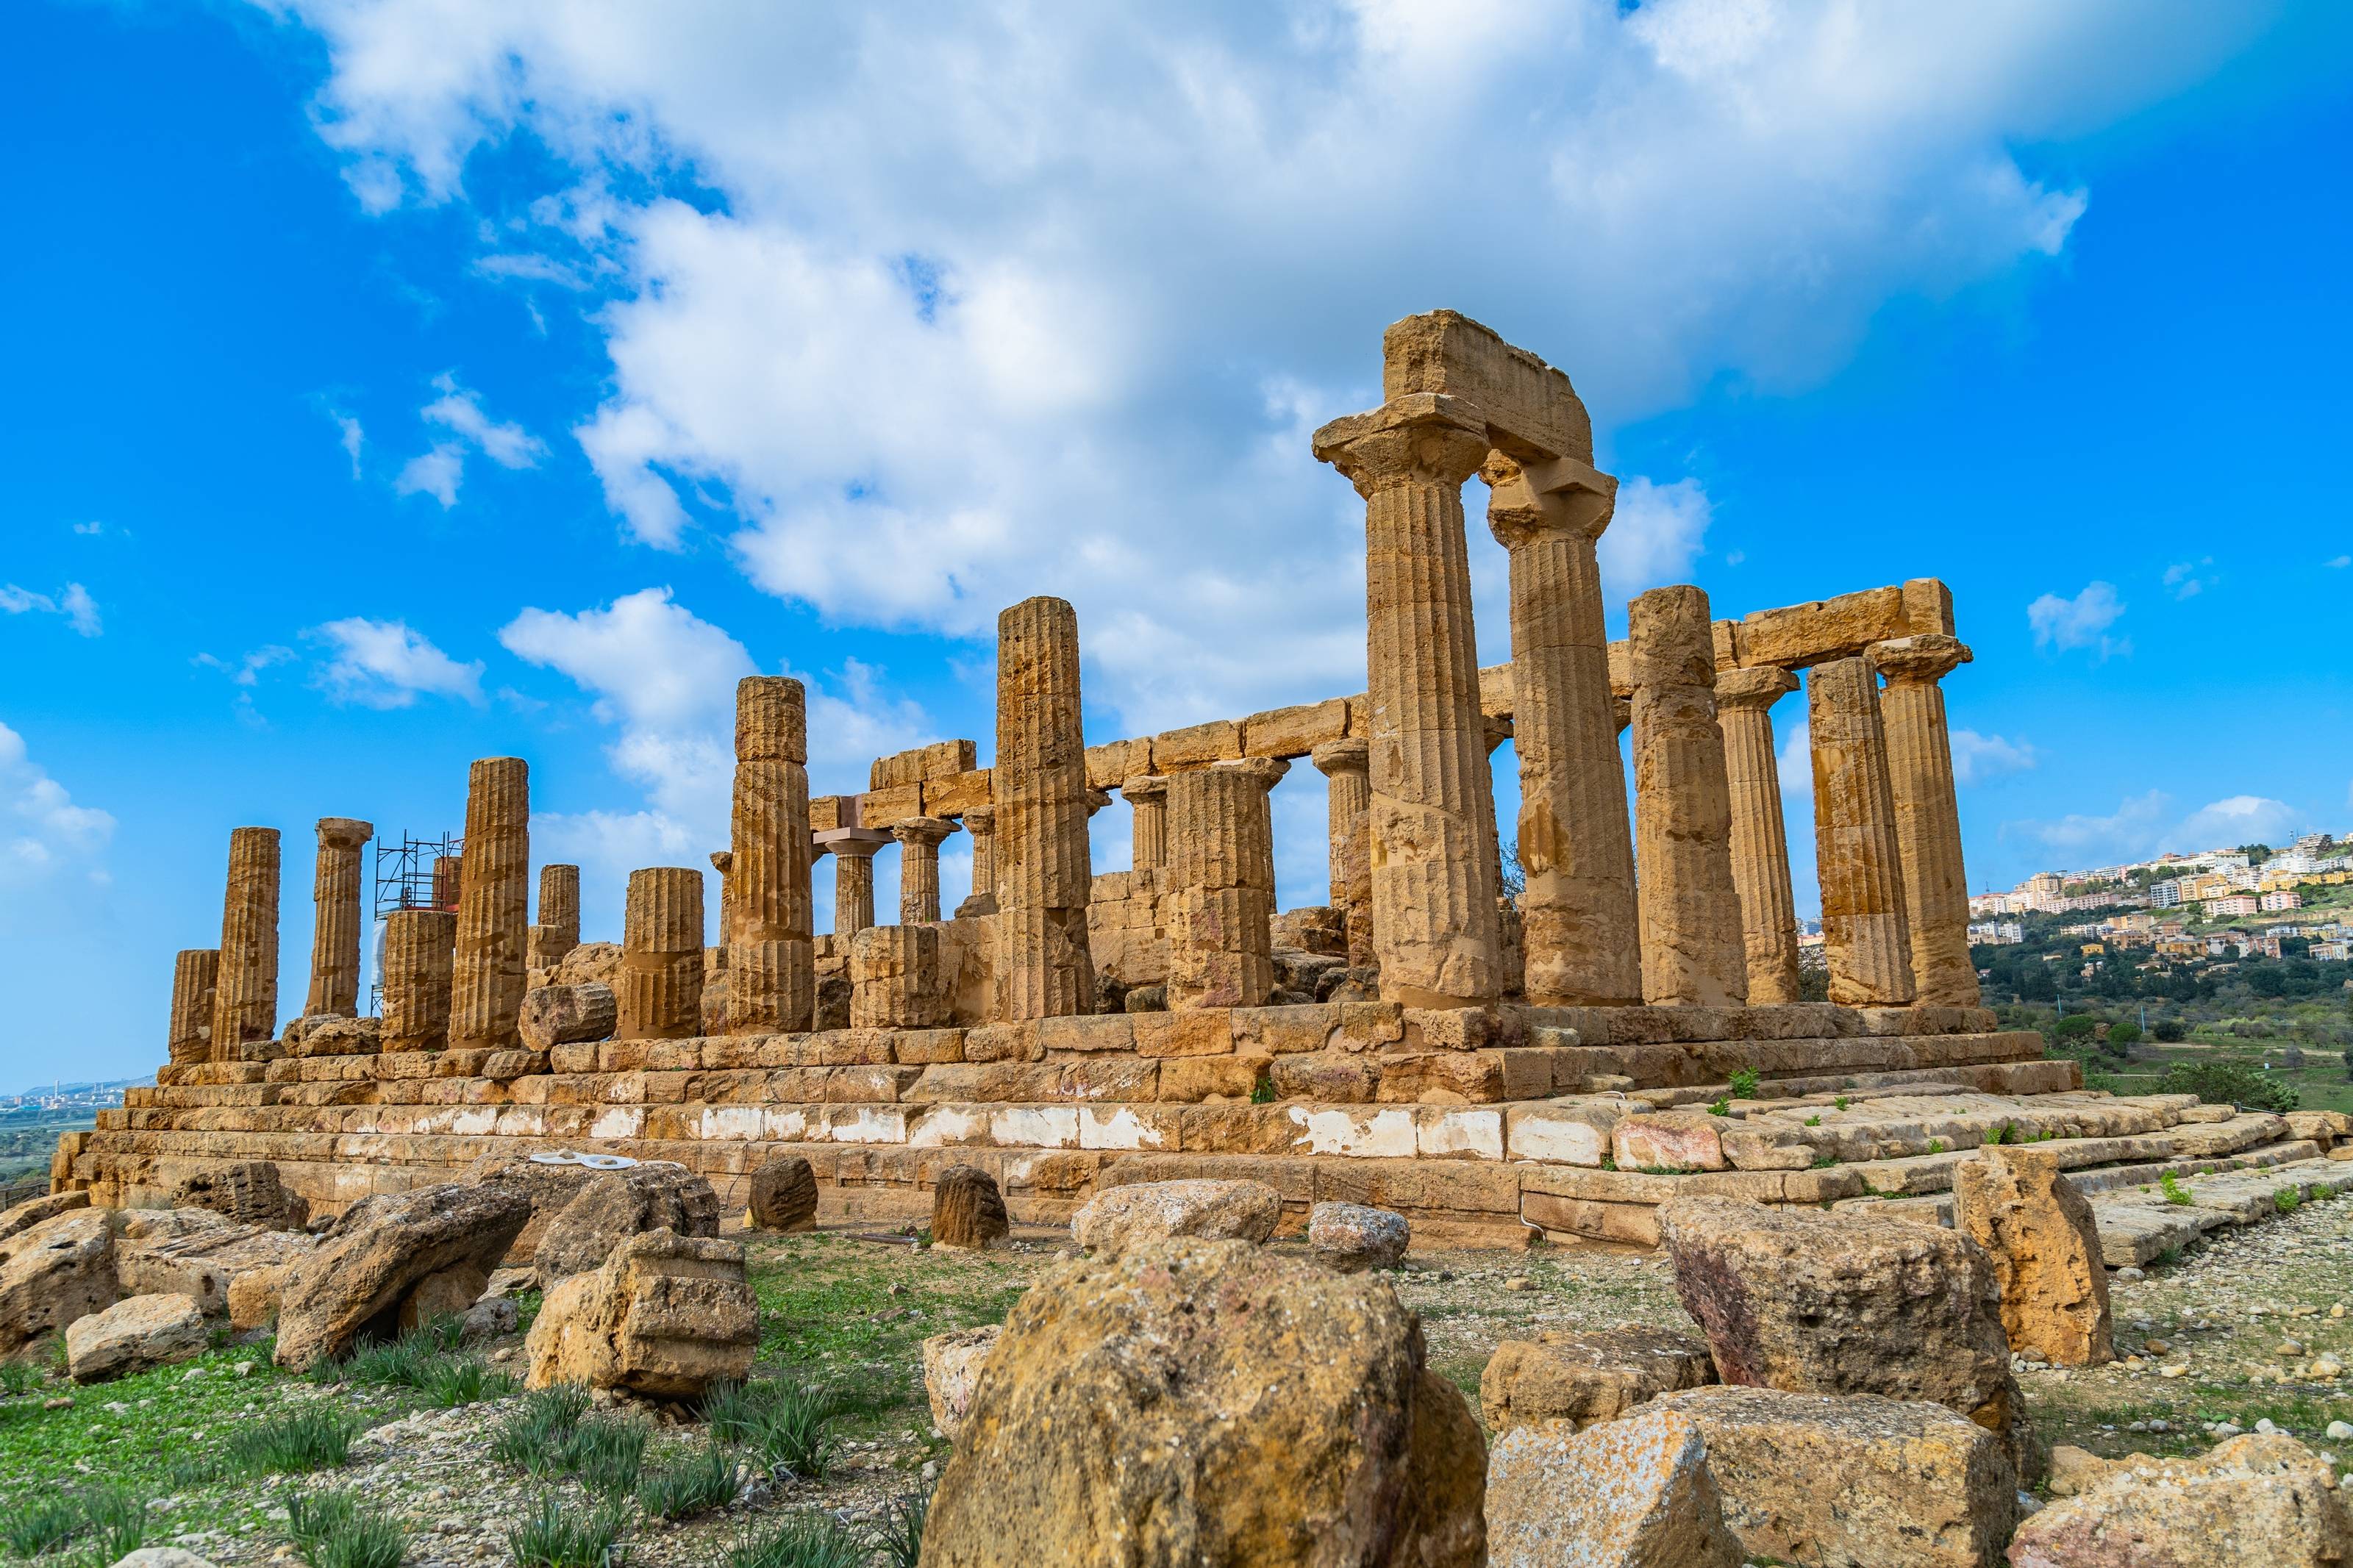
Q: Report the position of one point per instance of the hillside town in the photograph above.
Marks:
(2192, 906)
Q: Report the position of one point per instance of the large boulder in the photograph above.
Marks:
(550, 1184)
(245, 1191)
(1635, 1493)
(1853, 1482)
(783, 1195)
(2262, 1499)
(333, 1035)
(1350, 1236)
(136, 1333)
(952, 1363)
(1118, 1218)
(613, 1206)
(1848, 1303)
(563, 1014)
(1184, 1401)
(195, 1252)
(1586, 1376)
(33, 1211)
(590, 963)
(378, 1251)
(666, 1315)
(2038, 1231)
(967, 1211)
(54, 1273)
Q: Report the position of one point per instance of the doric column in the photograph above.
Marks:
(919, 867)
(723, 862)
(980, 822)
(1692, 954)
(1348, 792)
(1576, 912)
(245, 990)
(418, 953)
(1434, 888)
(1221, 884)
(557, 931)
(659, 986)
(1927, 814)
(1148, 797)
(1866, 936)
(336, 920)
(448, 881)
(1760, 839)
(194, 973)
(894, 978)
(771, 956)
(853, 887)
(493, 911)
(1039, 785)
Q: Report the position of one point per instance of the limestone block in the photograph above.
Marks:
(1636, 1493)
(783, 1194)
(1586, 1376)
(555, 1016)
(1119, 1217)
(967, 1210)
(1294, 731)
(1197, 746)
(1670, 1140)
(1355, 1237)
(248, 1191)
(1818, 632)
(33, 1211)
(922, 764)
(136, 1333)
(2261, 1498)
(612, 1207)
(665, 1317)
(53, 1274)
(2044, 1245)
(896, 803)
(958, 796)
(952, 1368)
(1529, 408)
(379, 1250)
(896, 979)
(1112, 764)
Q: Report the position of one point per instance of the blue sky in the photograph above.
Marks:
(399, 384)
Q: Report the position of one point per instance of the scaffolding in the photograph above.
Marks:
(412, 874)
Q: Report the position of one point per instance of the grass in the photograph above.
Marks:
(899, 1535)
(111, 1521)
(530, 1439)
(2174, 1193)
(606, 1455)
(18, 1378)
(454, 1381)
(305, 1440)
(792, 1431)
(556, 1535)
(804, 1540)
(332, 1529)
(702, 1480)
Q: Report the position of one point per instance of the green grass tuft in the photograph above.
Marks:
(805, 1541)
(313, 1439)
(453, 1381)
(702, 1480)
(557, 1536)
(794, 1430)
(899, 1533)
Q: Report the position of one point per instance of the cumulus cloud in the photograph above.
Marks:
(2241, 819)
(79, 610)
(388, 664)
(2145, 825)
(985, 307)
(438, 470)
(1653, 537)
(2339, 561)
(2187, 579)
(1980, 757)
(1797, 762)
(2080, 622)
(42, 830)
(354, 438)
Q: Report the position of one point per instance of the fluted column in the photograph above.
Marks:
(853, 889)
(980, 821)
(194, 973)
(1928, 814)
(1866, 935)
(1039, 785)
(1348, 792)
(557, 930)
(494, 912)
(1221, 884)
(659, 984)
(448, 881)
(771, 955)
(1149, 831)
(245, 990)
(417, 968)
(1434, 886)
(1760, 838)
(919, 867)
(1692, 954)
(1577, 911)
(336, 918)
(723, 862)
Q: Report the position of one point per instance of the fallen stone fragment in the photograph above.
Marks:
(784, 1196)
(563, 1014)
(378, 1251)
(952, 1363)
(967, 1211)
(1353, 1237)
(2253, 1500)
(33, 1211)
(1855, 1482)
(1210, 1210)
(447, 1294)
(2037, 1232)
(1186, 1402)
(612, 1207)
(245, 1191)
(1848, 1303)
(53, 1274)
(666, 1316)
(1588, 1375)
(1635, 1493)
(195, 1252)
(133, 1335)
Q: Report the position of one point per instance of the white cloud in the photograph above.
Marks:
(2080, 622)
(2339, 561)
(2144, 824)
(1653, 537)
(440, 468)
(1976, 758)
(91, 527)
(1797, 762)
(2187, 579)
(354, 438)
(246, 670)
(74, 603)
(2133, 828)
(41, 829)
(386, 664)
(2240, 819)
(986, 306)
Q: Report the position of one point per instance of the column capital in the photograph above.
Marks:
(1145, 789)
(1757, 688)
(1427, 436)
(1922, 659)
(343, 832)
(723, 861)
(851, 843)
(1557, 498)
(926, 831)
(1264, 772)
(978, 819)
(1352, 755)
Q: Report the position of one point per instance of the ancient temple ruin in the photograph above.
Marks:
(1490, 1065)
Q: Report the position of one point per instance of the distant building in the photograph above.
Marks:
(2279, 901)
(1998, 933)
(2232, 904)
(2165, 895)
(2337, 951)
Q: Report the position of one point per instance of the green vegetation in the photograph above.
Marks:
(1720, 1107)
(1744, 1083)
(899, 1535)
(333, 1529)
(313, 1439)
(108, 1522)
(2174, 1193)
(557, 1535)
(2228, 1083)
(804, 1540)
(702, 1480)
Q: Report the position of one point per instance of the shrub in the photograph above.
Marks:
(805, 1541)
(704, 1480)
(2287, 1200)
(1744, 1084)
(899, 1533)
(2171, 1031)
(1721, 1108)
(288, 1444)
(556, 1536)
(1841, 1102)
(2075, 1027)
(2120, 1035)
(2228, 1083)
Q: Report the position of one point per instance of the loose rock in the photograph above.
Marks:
(54, 1273)
(1210, 1210)
(1588, 1375)
(666, 1315)
(133, 1335)
(614, 1206)
(952, 1363)
(2256, 1499)
(784, 1196)
(2044, 1246)
(1635, 1493)
(1351, 1236)
(967, 1210)
(379, 1250)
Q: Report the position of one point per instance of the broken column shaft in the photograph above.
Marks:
(1760, 839)
(1866, 934)
(557, 930)
(980, 822)
(1039, 782)
(418, 954)
(194, 973)
(771, 958)
(245, 990)
(658, 987)
(336, 918)
(1221, 901)
(494, 912)
(1348, 815)
(1692, 953)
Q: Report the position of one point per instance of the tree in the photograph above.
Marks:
(2255, 853)
(2075, 1026)
(1516, 877)
(2228, 1083)
(2125, 1034)
(2035, 984)
(2168, 1030)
